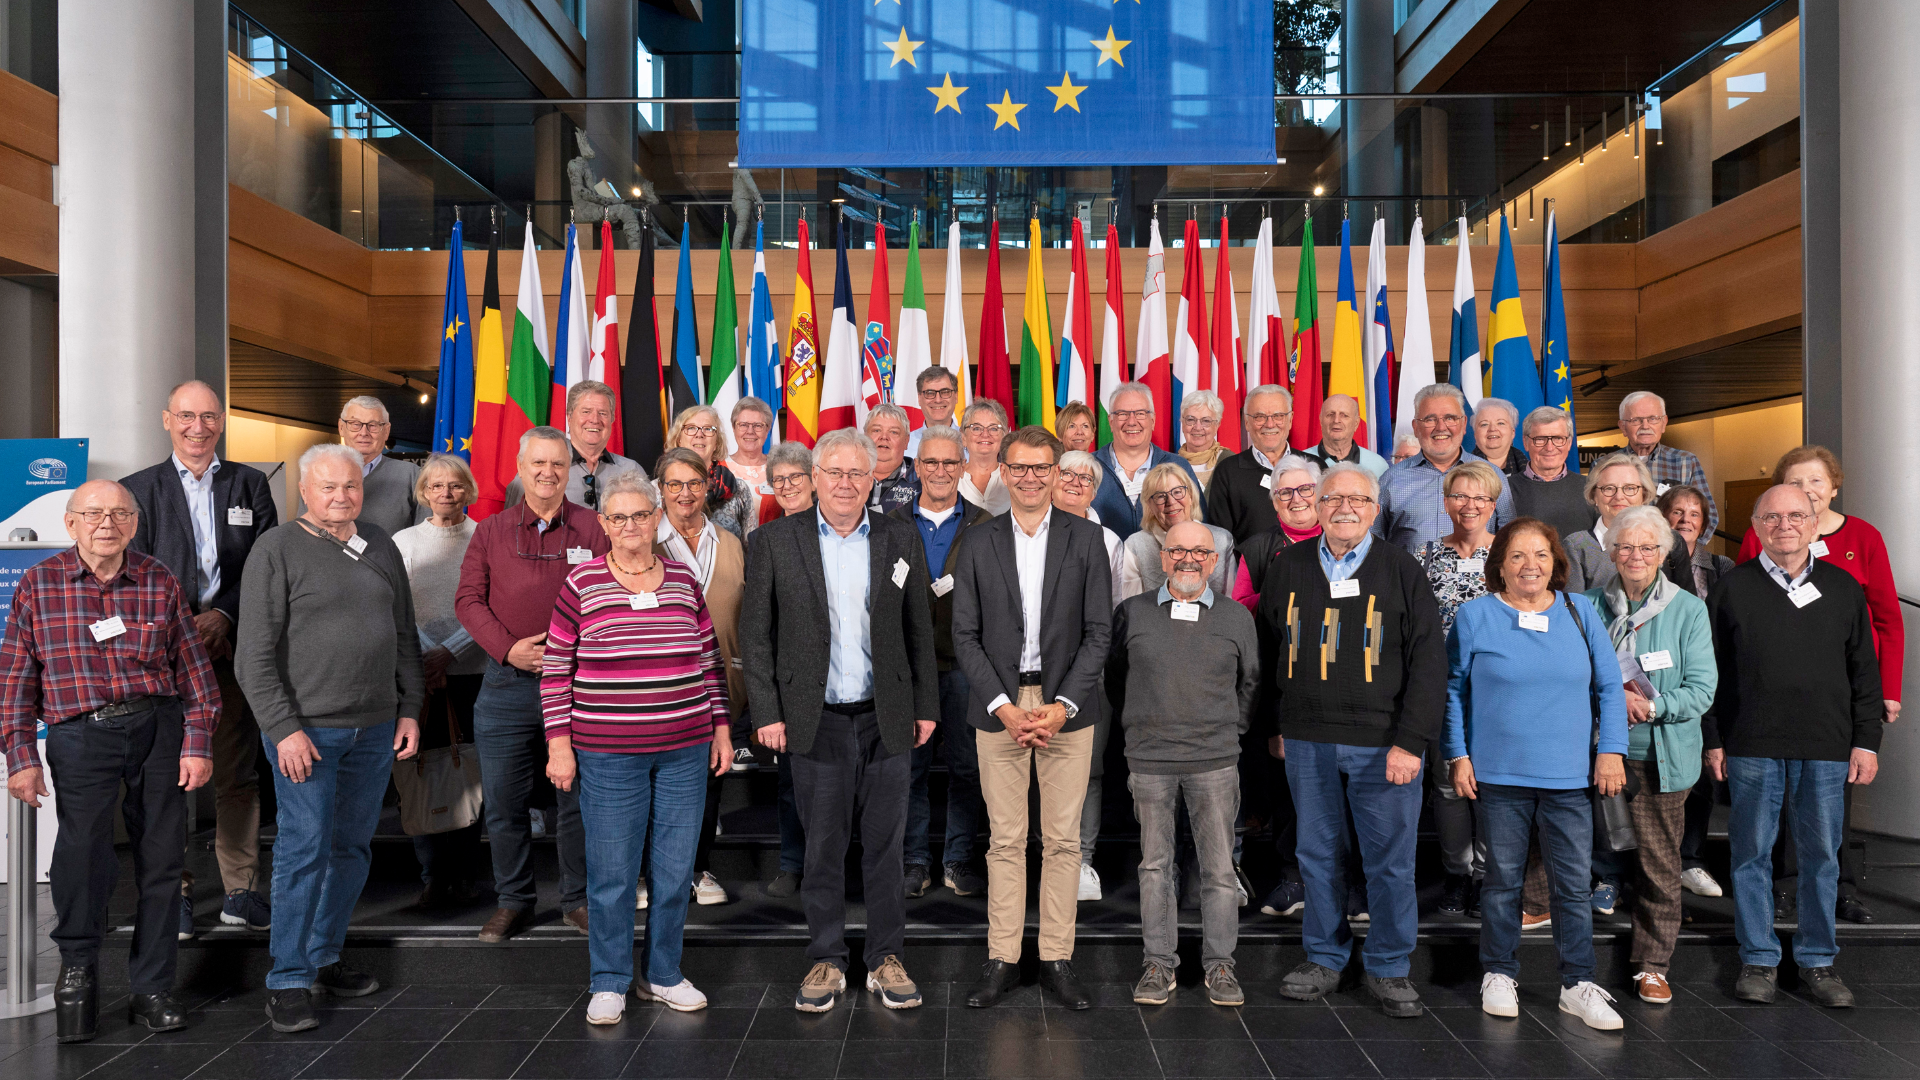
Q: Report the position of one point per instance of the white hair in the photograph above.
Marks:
(1342, 468)
(319, 452)
(544, 431)
(941, 433)
(1073, 459)
(839, 437)
(1266, 390)
(1641, 517)
(1513, 414)
(1440, 389)
(1130, 388)
(374, 404)
(1544, 415)
(631, 482)
(887, 410)
(1639, 396)
(1206, 398)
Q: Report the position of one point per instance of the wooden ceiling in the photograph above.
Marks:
(277, 384)
(1577, 45)
(1748, 373)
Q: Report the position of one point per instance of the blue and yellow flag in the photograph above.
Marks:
(1515, 377)
(453, 401)
(1556, 370)
(992, 82)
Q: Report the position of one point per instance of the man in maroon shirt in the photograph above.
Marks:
(100, 645)
(509, 580)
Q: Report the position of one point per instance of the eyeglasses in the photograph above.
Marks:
(786, 480)
(1303, 493)
(1354, 502)
(1076, 479)
(1270, 417)
(1199, 418)
(1643, 421)
(590, 490)
(676, 487)
(751, 426)
(450, 488)
(1189, 553)
(938, 395)
(698, 429)
(1795, 519)
(539, 551)
(941, 463)
(842, 476)
(1131, 414)
(983, 429)
(1608, 491)
(1549, 440)
(94, 517)
(619, 521)
(1021, 472)
(1168, 497)
(1478, 501)
(1433, 420)
(186, 419)
(357, 426)
(1645, 551)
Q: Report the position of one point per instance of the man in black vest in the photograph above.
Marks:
(1239, 496)
(199, 515)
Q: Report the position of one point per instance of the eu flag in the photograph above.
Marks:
(453, 401)
(1005, 82)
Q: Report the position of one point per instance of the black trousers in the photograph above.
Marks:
(847, 774)
(88, 761)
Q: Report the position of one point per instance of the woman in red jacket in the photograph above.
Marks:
(1856, 547)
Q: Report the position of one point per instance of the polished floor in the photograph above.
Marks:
(443, 1032)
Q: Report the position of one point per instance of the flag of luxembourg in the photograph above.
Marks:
(763, 335)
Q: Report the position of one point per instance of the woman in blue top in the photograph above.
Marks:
(1530, 667)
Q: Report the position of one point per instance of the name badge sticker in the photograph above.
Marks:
(899, 573)
(1534, 620)
(643, 601)
(357, 543)
(1804, 595)
(1819, 549)
(239, 515)
(1267, 481)
(1472, 566)
(107, 628)
(1656, 661)
(943, 586)
(1345, 590)
(577, 555)
(764, 489)
(1185, 612)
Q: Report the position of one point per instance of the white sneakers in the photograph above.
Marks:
(1089, 882)
(707, 891)
(1699, 882)
(1499, 996)
(1590, 1003)
(680, 997)
(606, 1008)
(640, 896)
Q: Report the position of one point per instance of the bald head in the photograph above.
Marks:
(1785, 520)
(194, 421)
(1186, 571)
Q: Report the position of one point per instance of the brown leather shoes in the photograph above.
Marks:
(505, 923)
(577, 918)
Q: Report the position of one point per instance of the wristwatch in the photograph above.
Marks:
(1072, 709)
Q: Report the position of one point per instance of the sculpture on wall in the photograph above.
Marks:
(746, 205)
(596, 200)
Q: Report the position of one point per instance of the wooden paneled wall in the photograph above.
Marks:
(29, 149)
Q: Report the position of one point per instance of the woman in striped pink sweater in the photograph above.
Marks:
(634, 694)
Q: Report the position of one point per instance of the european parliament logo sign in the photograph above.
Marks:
(926, 83)
(46, 471)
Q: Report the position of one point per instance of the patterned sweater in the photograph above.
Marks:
(627, 679)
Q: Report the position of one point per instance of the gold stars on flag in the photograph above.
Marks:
(1109, 48)
(1066, 95)
(453, 328)
(1005, 111)
(947, 96)
(1561, 371)
(903, 49)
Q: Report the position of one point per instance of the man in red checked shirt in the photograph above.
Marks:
(100, 644)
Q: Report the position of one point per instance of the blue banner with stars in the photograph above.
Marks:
(919, 83)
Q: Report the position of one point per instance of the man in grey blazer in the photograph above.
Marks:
(200, 515)
(836, 635)
(1031, 619)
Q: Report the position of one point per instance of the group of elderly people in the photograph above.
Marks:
(1334, 627)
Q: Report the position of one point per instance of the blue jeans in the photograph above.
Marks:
(1507, 817)
(1814, 794)
(965, 808)
(324, 847)
(625, 801)
(1386, 818)
(511, 738)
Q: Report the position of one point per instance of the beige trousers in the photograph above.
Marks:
(1006, 771)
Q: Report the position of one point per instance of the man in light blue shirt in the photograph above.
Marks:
(846, 562)
(1413, 507)
(206, 542)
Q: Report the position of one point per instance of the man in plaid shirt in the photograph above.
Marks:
(1643, 419)
(101, 646)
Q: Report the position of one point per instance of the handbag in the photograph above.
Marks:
(1612, 820)
(440, 788)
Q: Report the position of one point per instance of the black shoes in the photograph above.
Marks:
(996, 979)
(291, 1011)
(76, 1013)
(1826, 988)
(1396, 996)
(161, 1012)
(1309, 982)
(1453, 895)
(1850, 908)
(342, 981)
(1057, 976)
(918, 880)
(784, 885)
(1757, 983)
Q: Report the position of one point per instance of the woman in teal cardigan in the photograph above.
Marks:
(1664, 642)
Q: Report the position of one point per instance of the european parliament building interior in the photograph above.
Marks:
(1711, 201)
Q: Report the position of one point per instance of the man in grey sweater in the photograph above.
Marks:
(1182, 674)
(331, 665)
(386, 484)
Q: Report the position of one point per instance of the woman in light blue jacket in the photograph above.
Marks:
(1664, 642)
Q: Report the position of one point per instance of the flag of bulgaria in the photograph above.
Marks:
(1036, 341)
(529, 376)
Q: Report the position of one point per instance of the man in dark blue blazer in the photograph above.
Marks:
(200, 515)
(1128, 459)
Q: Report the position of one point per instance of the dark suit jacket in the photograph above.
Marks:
(989, 626)
(166, 526)
(786, 630)
(971, 517)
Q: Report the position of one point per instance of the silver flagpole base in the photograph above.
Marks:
(42, 1002)
(25, 994)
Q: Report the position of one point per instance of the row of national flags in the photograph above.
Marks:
(496, 383)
